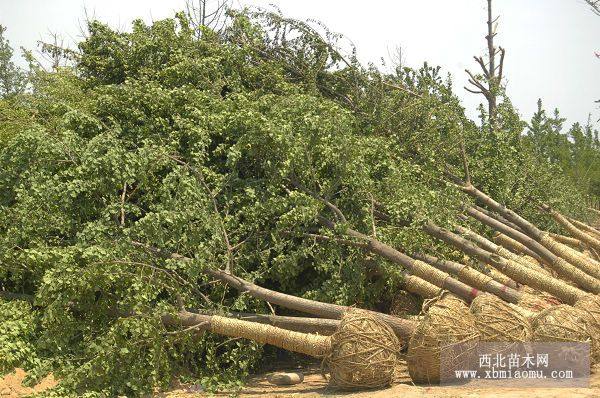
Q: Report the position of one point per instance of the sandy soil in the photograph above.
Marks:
(315, 386)
(11, 385)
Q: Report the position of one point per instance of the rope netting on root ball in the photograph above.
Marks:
(590, 305)
(447, 322)
(498, 321)
(564, 323)
(362, 353)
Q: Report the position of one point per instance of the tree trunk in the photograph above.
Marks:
(514, 246)
(402, 327)
(415, 267)
(566, 293)
(562, 267)
(321, 326)
(304, 343)
(472, 277)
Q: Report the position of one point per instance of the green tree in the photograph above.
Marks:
(12, 79)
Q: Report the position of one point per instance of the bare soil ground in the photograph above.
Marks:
(315, 386)
(11, 385)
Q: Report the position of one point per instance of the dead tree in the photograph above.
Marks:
(489, 82)
(207, 13)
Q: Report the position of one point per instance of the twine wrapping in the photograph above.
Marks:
(363, 352)
(526, 261)
(497, 321)
(304, 343)
(510, 243)
(447, 322)
(586, 264)
(565, 323)
(429, 273)
(500, 277)
(420, 287)
(590, 305)
(564, 292)
(474, 278)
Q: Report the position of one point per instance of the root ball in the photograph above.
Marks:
(447, 322)
(364, 352)
(498, 321)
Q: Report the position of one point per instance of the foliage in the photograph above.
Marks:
(17, 335)
(11, 77)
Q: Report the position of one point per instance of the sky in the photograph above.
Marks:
(550, 44)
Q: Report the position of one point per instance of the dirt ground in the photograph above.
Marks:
(11, 385)
(315, 386)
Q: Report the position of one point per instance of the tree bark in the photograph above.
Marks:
(473, 277)
(563, 268)
(321, 326)
(566, 293)
(402, 327)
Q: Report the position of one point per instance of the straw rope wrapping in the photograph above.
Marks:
(363, 352)
(590, 305)
(543, 282)
(526, 261)
(474, 278)
(430, 273)
(447, 322)
(305, 343)
(500, 277)
(497, 321)
(586, 264)
(421, 287)
(509, 243)
(564, 323)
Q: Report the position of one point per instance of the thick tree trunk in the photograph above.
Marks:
(497, 217)
(573, 230)
(402, 327)
(566, 293)
(472, 277)
(305, 343)
(567, 240)
(585, 228)
(562, 267)
(514, 246)
(417, 268)
(321, 326)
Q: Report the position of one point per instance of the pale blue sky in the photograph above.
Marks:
(550, 43)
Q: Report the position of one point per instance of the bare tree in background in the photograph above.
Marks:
(209, 13)
(595, 4)
(488, 83)
(54, 50)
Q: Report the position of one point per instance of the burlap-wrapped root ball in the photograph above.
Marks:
(363, 352)
(590, 305)
(564, 323)
(404, 304)
(447, 322)
(498, 321)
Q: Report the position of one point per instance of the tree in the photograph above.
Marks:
(595, 5)
(12, 79)
(489, 82)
